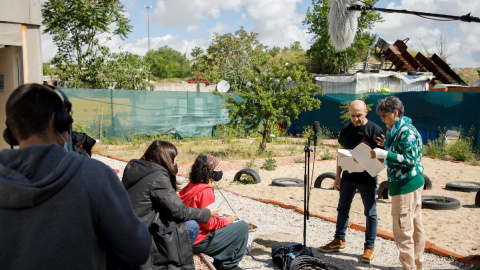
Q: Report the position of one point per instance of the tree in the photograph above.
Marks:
(118, 71)
(230, 54)
(442, 48)
(166, 62)
(76, 26)
(274, 94)
(196, 52)
(345, 106)
(325, 59)
(274, 51)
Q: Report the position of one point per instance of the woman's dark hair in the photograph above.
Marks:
(162, 153)
(389, 104)
(200, 172)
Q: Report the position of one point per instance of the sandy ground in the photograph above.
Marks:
(455, 230)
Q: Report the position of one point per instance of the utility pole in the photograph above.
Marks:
(148, 23)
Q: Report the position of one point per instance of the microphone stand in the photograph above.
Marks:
(306, 192)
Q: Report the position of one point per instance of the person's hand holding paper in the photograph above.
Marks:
(363, 160)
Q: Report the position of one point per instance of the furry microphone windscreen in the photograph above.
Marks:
(343, 23)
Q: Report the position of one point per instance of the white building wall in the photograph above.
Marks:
(20, 49)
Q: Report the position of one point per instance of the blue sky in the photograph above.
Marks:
(185, 24)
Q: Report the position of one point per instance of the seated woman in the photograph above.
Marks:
(151, 185)
(222, 238)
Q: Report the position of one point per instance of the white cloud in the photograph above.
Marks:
(181, 12)
(192, 28)
(219, 28)
(278, 22)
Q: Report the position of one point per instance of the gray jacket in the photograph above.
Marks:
(60, 210)
(151, 188)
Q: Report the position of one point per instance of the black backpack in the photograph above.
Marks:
(82, 143)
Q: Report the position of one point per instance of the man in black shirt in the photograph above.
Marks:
(359, 130)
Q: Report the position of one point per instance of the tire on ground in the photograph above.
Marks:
(465, 186)
(287, 182)
(428, 182)
(323, 176)
(382, 191)
(429, 202)
(249, 172)
(477, 199)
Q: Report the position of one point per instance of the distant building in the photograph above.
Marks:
(383, 81)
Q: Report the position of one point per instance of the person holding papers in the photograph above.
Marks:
(353, 133)
(223, 238)
(402, 155)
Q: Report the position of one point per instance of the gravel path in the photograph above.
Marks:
(277, 225)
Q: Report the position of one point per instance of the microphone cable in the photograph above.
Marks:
(309, 262)
(229, 205)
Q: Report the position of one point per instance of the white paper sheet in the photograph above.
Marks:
(345, 160)
(362, 155)
(215, 204)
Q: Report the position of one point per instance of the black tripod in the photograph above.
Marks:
(306, 180)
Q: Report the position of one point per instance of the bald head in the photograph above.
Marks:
(358, 113)
(358, 105)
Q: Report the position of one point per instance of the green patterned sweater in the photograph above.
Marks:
(405, 173)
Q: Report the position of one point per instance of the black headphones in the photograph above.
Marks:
(62, 119)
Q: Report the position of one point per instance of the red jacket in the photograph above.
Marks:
(200, 195)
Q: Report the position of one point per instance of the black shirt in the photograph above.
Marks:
(350, 137)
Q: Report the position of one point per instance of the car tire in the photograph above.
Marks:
(250, 172)
(287, 182)
(464, 186)
(382, 191)
(449, 204)
(477, 199)
(323, 176)
(428, 183)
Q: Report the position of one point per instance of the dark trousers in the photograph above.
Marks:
(368, 194)
(226, 245)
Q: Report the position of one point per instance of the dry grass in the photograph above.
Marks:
(469, 75)
(241, 149)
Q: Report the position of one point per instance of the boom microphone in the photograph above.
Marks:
(343, 23)
(344, 14)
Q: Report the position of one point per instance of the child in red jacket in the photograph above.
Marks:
(222, 238)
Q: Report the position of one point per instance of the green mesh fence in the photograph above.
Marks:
(430, 111)
(122, 113)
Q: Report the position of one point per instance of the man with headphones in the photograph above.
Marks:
(58, 209)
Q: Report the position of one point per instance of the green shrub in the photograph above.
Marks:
(84, 128)
(298, 160)
(114, 141)
(251, 164)
(436, 148)
(246, 179)
(327, 155)
(462, 150)
(227, 132)
(269, 165)
(326, 133)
